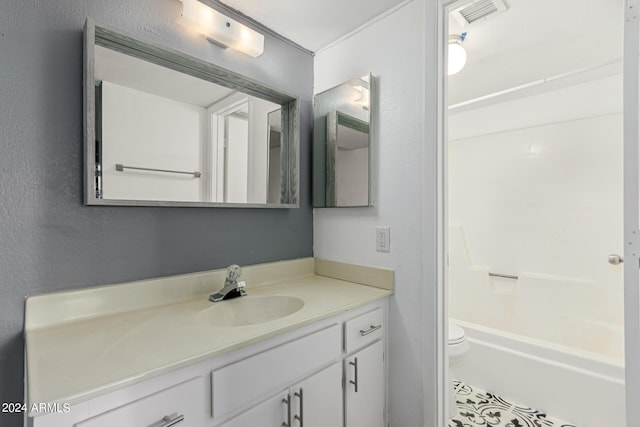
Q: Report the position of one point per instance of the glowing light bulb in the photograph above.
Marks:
(457, 55)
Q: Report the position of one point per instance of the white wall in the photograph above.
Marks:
(258, 182)
(539, 195)
(237, 162)
(145, 130)
(393, 50)
(255, 161)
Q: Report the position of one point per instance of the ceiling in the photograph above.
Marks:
(313, 24)
(135, 73)
(532, 40)
(535, 40)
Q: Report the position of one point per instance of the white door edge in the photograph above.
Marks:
(631, 99)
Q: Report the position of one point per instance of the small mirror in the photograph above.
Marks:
(166, 129)
(342, 175)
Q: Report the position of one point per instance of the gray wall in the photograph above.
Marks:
(48, 239)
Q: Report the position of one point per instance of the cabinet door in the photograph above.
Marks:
(270, 413)
(238, 384)
(317, 401)
(364, 387)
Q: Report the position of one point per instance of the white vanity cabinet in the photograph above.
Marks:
(364, 392)
(271, 412)
(160, 402)
(317, 400)
(299, 367)
(306, 377)
(313, 402)
(364, 367)
(181, 403)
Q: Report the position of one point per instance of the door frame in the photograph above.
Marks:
(631, 117)
(441, 249)
(631, 99)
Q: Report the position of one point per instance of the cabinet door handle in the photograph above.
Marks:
(371, 329)
(168, 420)
(300, 418)
(355, 366)
(287, 402)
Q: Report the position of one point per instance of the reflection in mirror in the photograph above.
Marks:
(342, 145)
(218, 132)
(166, 137)
(348, 142)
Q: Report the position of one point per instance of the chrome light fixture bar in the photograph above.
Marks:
(221, 29)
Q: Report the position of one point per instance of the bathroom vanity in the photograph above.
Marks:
(305, 348)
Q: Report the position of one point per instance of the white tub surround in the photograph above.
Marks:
(574, 311)
(583, 387)
(86, 343)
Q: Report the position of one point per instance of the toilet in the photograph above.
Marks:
(458, 348)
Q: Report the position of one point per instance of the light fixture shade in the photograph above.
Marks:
(457, 55)
(221, 29)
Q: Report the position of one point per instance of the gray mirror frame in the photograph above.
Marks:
(173, 59)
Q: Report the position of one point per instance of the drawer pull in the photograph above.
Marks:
(372, 329)
(287, 402)
(300, 418)
(355, 374)
(168, 420)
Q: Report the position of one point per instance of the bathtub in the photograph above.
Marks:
(576, 386)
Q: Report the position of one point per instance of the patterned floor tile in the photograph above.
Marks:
(480, 408)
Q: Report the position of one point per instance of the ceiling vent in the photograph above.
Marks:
(478, 10)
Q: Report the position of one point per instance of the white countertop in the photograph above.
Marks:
(78, 358)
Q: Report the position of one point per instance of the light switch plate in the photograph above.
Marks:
(383, 239)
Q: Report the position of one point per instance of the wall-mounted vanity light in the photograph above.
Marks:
(457, 54)
(221, 29)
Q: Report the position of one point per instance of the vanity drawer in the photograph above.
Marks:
(185, 401)
(363, 330)
(244, 382)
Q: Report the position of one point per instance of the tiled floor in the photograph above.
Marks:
(480, 408)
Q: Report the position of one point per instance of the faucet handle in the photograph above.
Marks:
(233, 273)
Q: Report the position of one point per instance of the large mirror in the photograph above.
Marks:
(166, 129)
(342, 136)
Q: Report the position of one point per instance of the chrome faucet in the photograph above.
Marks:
(232, 288)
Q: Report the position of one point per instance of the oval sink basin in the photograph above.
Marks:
(250, 310)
